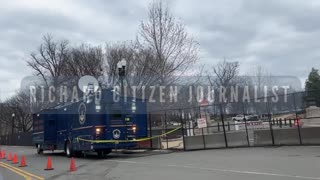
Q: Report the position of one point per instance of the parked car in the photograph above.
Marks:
(252, 118)
(247, 117)
(239, 117)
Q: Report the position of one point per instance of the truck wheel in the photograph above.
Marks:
(100, 154)
(103, 153)
(68, 149)
(78, 153)
(39, 149)
(106, 152)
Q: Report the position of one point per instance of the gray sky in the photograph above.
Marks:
(282, 36)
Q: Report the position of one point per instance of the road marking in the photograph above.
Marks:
(17, 172)
(26, 174)
(222, 170)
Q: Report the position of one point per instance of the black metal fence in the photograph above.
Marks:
(269, 121)
(17, 139)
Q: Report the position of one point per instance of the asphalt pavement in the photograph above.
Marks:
(279, 163)
(8, 174)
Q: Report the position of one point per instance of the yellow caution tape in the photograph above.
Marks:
(122, 141)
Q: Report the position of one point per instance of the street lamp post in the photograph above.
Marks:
(122, 73)
(12, 127)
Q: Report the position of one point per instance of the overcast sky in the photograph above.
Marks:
(281, 35)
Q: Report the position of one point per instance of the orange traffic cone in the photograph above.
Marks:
(49, 165)
(3, 154)
(10, 157)
(15, 159)
(72, 165)
(23, 162)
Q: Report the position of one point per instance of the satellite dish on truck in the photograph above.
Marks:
(88, 84)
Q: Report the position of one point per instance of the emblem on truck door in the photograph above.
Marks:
(116, 133)
(82, 113)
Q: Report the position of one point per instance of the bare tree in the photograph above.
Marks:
(6, 118)
(225, 73)
(84, 60)
(168, 39)
(260, 77)
(223, 77)
(171, 50)
(49, 61)
(21, 107)
(22, 110)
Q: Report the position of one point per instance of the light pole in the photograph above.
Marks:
(122, 73)
(12, 127)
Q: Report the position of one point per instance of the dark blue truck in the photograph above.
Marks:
(89, 125)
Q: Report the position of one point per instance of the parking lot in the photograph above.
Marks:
(224, 164)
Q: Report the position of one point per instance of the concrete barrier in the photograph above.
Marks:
(286, 136)
(237, 139)
(194, 142)
(262, 138)
(310, 135)
(215, 140)
(281, 137)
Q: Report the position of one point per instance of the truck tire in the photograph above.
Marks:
(39, 149)
(100, 154)
(78, 153)
(68, 149)
(103, 153)
(106, 152)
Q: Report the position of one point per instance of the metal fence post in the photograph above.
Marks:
(150, 131)
(270, 123)
(298, 122)
(166, 128)
(203, 138)
(206, 114)
(245, 124)
(223, 127)
(182, 130)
